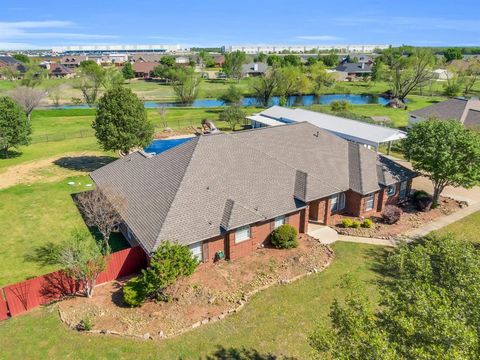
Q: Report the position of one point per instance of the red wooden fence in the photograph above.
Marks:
(24, 296)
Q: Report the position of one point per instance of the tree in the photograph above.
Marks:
(34, 75)
(80, 258)
(263, 87)
(291, 81)
(319, 76)
(127, 71)
(186, 86)
(232, 96)
(121, 122)
(291, 60)
(470, 76)
(89, 81)
(101, 211)
(21, 57)
(445, 152)
(233, 115)
(233, 64)
(15, 129)
(112, 78)
(452, 54)
(409, 73)
(274, 61)
(330, 59)
(168, 61)
(169, 263)
(28, 98)
(429, 308)
(55, 93)
(379, 71)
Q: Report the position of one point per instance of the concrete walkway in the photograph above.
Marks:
(324, 234)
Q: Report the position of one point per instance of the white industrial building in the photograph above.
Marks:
(255, 49)
(100, 49)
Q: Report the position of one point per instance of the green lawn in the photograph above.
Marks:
(467, 228)
(275, 321)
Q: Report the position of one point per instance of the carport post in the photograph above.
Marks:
(389, 147)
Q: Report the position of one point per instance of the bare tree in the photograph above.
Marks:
(101, 210)
(55, 93)
(27, 97)
(162, 111)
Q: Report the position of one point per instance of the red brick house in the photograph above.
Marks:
(227, 192)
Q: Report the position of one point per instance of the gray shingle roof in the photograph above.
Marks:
(456, 108)
(215, 183)
(355, 68)
(472, 119)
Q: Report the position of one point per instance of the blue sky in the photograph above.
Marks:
(42, 24)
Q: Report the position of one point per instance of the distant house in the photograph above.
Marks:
(114, 59)
(226, 193)
(254, 69)
(441, 74)
(146, 57)
(72, 62)
(13, 64)
(460, 109)
(355, 70)
(56, 70)
(219, 60)
(182, 60)
(142, 69)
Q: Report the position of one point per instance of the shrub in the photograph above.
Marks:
(423, 201)
(367, 223)
(339, 105)
(284, 237)
(356, 224)
(134, 292)
(346, 223)
(391, 214)
(85, 324)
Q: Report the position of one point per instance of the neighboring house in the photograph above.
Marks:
(114, 59)
(142, 69)
(254, 69)
(56, 70)
(73, 61)
(369, 135)
(146, 57)
(12, 63)
(463, 110)
(441, 74)
(227, 192)
(219, 60)
(182, 60)
(355, 70)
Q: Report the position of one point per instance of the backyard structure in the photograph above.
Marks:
(369, 135)
(467, 111)
(224, 194)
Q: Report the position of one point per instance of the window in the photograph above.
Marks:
(403, 189)
(196, 250)
(369, 202)
(242, 234)
(391, 190)
(337, 202)
(279, 221)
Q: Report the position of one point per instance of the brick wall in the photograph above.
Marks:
(212, 246)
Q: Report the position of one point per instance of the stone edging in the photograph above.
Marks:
(212, 319)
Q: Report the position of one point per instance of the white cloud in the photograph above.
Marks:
(318, 37)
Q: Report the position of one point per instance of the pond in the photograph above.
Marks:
(161, 145)
(301, 100)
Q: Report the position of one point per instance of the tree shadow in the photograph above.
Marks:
(86, 163)
(9, 154)
(232, 353)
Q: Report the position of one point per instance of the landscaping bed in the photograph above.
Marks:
(411, 219)
(210, 294)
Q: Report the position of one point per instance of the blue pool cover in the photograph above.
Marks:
(159, 146)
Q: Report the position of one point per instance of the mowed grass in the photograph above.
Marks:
(276, 321)
(31, 216)
(466, 228)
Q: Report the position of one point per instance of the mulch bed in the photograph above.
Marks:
(411, 219)
(211, 293)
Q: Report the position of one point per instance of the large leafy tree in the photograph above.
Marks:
(34, 75)
(90, 80)
(15, 129)
(186, 85)
(429, 308)
(233, 115)
(121, 122)
(445, 152)
(127, 71)
(233, 64)
(452, 54)
(263, 87)
(291, 81)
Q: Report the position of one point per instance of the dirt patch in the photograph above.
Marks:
(52, 169)
(411, 219)
(211, 293)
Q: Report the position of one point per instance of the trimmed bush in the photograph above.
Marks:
(391, 214)
(423, 201)
(134, 292)
(356, 224)
(346, 223)
(284, 237)
(367, 223)
(339, 105)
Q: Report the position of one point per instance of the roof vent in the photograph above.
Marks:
(317, 134)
